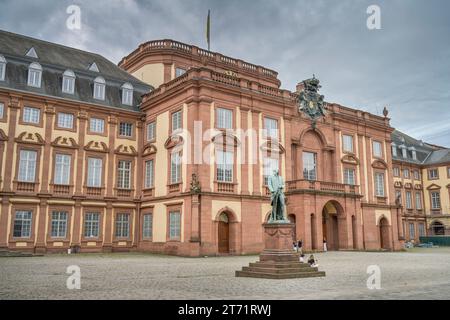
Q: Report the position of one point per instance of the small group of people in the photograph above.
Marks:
(298, 246)
(313, 262)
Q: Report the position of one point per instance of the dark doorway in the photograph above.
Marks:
(384, 234)
(224, 233)
(437, 228)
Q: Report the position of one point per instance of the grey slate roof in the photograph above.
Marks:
(426, 153)
(55, 59)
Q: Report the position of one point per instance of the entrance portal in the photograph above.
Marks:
(330, 226)
(384, 234)
(224, 233)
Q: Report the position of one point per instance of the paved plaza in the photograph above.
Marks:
(416, 274)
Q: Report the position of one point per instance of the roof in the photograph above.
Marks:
(55, 59)
(426, 154)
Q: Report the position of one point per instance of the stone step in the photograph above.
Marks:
(4, 253)
(270, 264)
(279, 270)
(267, 275)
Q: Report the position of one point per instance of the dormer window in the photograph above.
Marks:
(404, 151)
(394, 150)
(68, 84)
(34, 75)
(2, 68)
(99, 88)
(127, 94)
(414, 153)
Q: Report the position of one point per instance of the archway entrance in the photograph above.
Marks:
(292, 219)
(330, 225)
(437, 228)
(384, 234)
(224, 233)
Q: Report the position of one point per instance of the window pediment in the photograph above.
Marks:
(433, 187)
(126, 150)
(149, 149)
(226, 138)
(30, 138)
(63, 142)
(96, 147)
(397, 184)
(3, 136)
(350, 159)
(271, 146)
(175, 140)
(379, 164)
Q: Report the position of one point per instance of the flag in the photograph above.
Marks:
(208, 27)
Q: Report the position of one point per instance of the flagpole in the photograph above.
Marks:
(208, 30)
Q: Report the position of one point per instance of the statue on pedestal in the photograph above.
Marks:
(276, 187)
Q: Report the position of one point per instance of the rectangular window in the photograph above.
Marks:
(377, 152)
(174, 225)
(394, 151)
(149, 174)
(127, 96)
(224, 166)
(347, 142)
(22, 224)
(62, 169)
(176, 120)
(433, 174)
(379, 184)
(448, 172)
(99, 91)
(435, 200)
(65, 120)
(91, 225)
(179, 72)
(175, 167)
(271, 127)
(68, 85)
(122, 225)
(2, 110)
(95, 172)
(2, 71)
(408, 200)
(398, 195)
(270, 164)
(224, 118)
(31, 115)
(125, 129)
(349, 176)
(147, 226)
(27, 166)
(412, 231)
(309, 166)
(97, 125)
(406, 173)
(34, 77)
(421, 230)
(123, 174)
(396, 172)
(59, 224)
(416, 175)
(418, 201)
(151, 131)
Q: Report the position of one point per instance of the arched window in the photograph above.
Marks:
(2, 67)
(68, 83)
(99, 88)
(127, 94)
(34, 75)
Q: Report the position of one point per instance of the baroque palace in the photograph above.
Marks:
(170, 152)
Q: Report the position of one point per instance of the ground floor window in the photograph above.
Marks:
(147, 226)
(421, 229)
(22, 224)
(174, 225)
(122, 225)
(91, 225)
(412, 232)
(59, 224)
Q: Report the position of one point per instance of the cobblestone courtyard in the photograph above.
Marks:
(417, 274)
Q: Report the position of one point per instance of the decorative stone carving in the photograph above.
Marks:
(63, 142)
(149, 149)
(195, 184)
(97, 147)
(126, 150)
(350, 159)
(310, 101)
(30, 138)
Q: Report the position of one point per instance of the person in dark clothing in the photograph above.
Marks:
(300, 246)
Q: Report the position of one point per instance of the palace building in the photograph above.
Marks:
(170, 151)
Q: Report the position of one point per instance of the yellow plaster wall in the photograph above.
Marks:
(152, 74)
(161, 158)
(379, 213)
(217, 205)
(443, 182)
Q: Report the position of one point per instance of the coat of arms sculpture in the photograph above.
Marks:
(310, 101)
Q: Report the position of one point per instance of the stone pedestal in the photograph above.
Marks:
(278, 260)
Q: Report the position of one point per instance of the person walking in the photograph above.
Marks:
(325, 245)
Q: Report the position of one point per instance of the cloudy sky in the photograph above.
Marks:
(405, 65)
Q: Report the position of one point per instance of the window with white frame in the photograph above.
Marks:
(224, 165)
(406, 173)
(97, 125)
(408, 200)
(398, 195)
(147, 226)
(379, 184)
(421, 230)
(123, 174)
(174, 225)
(149, 174)
(309, 166)
(122, 225)
(22, 224)
(2, 110)
(65, 120)
(31, 115)
(435, 200)
(416, 175)
(269, 165)
(62, 169)
(151, 131)
(59, 224)
(433, 174)
(347, 143)
(127, 94)
(175, 167)
(99, 88)
(394, 150)
(2, 68)
(396, 171)
(179, 72)
(176, 120)
(404, 151)
(224, 118)
(91, 224)
(412, 231)
(414, 153)
(27, 166)
(377, 151)
(68, 83)
(34, 75)
(94, 178)
(126, 129)
(349, 176)
(271, 127)
(418, 201)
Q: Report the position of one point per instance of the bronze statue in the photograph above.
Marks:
(276, 187)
